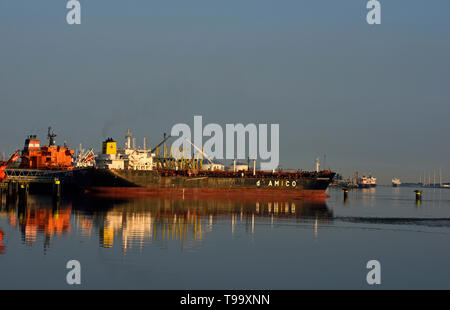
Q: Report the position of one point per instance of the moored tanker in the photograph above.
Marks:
(130, 172)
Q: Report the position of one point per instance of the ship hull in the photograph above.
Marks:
(367, 185)
(131, 183)
(204, 193)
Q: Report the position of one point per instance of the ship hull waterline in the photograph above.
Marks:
(135, 183)
(205, 193)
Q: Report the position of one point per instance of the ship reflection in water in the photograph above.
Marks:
(138, 221)
(34, 220)
(132, 224)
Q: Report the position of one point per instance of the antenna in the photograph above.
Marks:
(51, 136)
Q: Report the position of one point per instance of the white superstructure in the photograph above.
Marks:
(128, 158)
(367, 181)
(396, 182)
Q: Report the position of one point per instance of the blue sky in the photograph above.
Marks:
(372, 98)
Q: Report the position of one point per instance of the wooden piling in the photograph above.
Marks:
(10, 189)
(345, 189)
(11, 196)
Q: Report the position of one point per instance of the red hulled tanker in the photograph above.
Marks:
(140, 172)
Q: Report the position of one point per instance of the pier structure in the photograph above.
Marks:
(16, 186)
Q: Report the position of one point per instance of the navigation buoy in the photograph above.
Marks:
(418, 194)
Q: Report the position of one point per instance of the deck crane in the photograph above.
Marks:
(162, 142)
(84, 158)
(3, 166)
(201, 151)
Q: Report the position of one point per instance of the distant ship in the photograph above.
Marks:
(396, 182)
(367, 182)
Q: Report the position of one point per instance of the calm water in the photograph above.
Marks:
(167, 244)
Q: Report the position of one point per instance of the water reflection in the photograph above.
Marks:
(134, 223)
(35, 218)
(2, 247)
(370, 190)
(128, 224)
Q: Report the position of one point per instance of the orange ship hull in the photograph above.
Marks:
(46, 157)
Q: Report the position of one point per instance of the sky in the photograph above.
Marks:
(372, 98)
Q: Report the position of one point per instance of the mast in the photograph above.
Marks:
(128, 137)
(51, 136)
